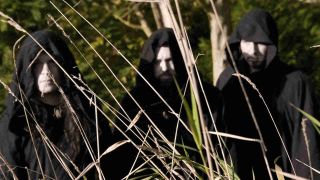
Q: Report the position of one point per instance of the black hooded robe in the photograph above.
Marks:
(280, 85)
(27, 158)
(152, 105)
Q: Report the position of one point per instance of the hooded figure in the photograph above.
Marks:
(162, 64)
(39, 129)
(254, 48)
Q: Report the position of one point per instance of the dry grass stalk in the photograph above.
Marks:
(263, 147)
(235, 137)
(123, 57)
(306, 140)
(189, 63)
(271, 117)
(288, 175)
(313, 169)
(8, 166)
(110, 70)
(135, 120)
(18, 27)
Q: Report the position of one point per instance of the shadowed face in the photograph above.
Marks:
(254, 54)
(45, 70)
(163, 67)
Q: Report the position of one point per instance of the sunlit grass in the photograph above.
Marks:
(196, 126)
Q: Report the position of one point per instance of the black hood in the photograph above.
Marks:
(28, 51)
(23, 76)
(256, 26)
(164, 36)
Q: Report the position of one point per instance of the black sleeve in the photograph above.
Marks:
(305, 140)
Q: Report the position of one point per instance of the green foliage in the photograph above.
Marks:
(128, 41)
(298, 31)
(297, 24)
(204, 59)
(192, 115)
(197, 25)
(314, 121)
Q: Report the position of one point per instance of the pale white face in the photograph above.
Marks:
(164, 68)
(254, 54)
(45, 70)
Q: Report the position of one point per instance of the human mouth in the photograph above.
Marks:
(46, 82)
(252, 59)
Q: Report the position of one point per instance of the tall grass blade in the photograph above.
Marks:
(314, 121)
(191, 114)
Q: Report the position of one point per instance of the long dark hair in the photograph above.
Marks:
(59, 122)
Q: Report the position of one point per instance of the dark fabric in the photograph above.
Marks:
(152, 105)
(279, 85)
(16, 147)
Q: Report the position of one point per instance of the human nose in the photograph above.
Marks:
(45, 69)
(163, 65)
(255, 49)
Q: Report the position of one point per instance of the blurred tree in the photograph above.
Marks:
(218, 13)
(103, 16)
(127, 25)
(298, 31)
